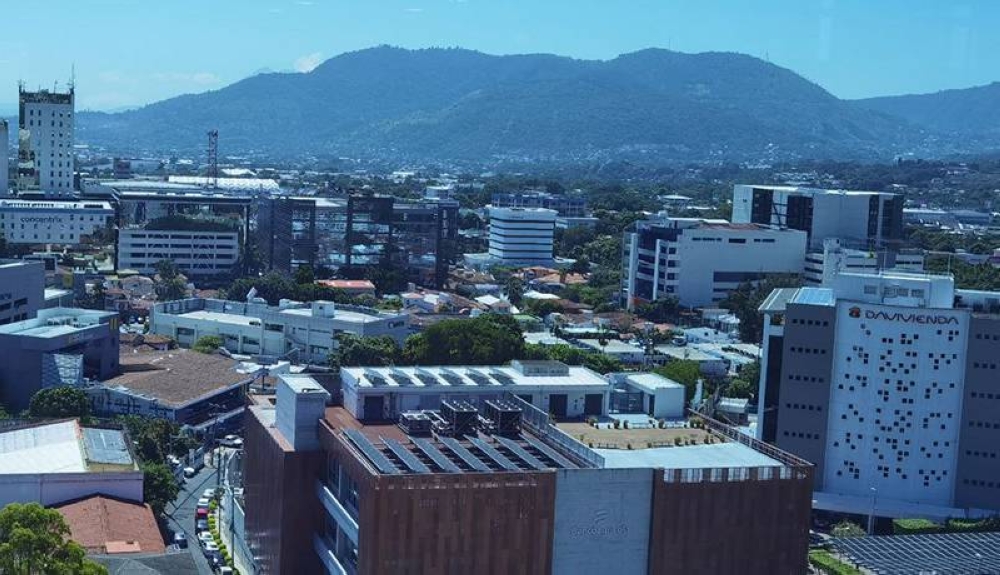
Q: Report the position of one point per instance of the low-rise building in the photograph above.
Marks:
(494, 486)
(53, 222)
(61, 346)
(624, 352)
(195, 252)
(181, 385)
(105, 525)
(382, 393)
(55, 462)
(302, 332)
(649, 393)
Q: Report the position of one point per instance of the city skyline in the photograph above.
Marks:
(187, 49)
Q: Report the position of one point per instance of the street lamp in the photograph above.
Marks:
(871, 514)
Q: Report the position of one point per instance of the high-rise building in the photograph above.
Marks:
(522, 236)
(700, 261)
(358, 232)
(568, 205)
(888, 384)
(45, 140)
(861, 220)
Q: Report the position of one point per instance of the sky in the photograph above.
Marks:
(133, 52)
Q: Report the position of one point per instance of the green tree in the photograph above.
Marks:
(745, 301)
(159, 486)
(353, 350)
(94, 299)
(207, 344)
(664, 309)
(304, 275)
(155, 437)
(847, 529)
(59, 402)
(514, 289)
(171, 289)
(35, 541)
(685, 372)
(542, 307)
(167, 269)
(490, 339)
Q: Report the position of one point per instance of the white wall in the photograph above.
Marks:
(896, 392)
(55, 488)
(51, 127)
(194, 252)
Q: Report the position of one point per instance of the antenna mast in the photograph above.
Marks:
(213, 159)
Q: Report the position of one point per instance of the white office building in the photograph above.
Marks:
(822, 266)
(194, 252)
(45, 155)
(380, 393)
(52, 222)
(522, 236)
(862, 220)
(700, 261)
(299, 332)
(887, 383)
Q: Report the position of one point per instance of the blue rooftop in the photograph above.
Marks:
(814, 296)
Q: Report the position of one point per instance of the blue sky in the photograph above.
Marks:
(130, 52)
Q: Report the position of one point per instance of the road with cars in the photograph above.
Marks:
(181, 513)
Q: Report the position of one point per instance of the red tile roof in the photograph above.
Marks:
(106, 525)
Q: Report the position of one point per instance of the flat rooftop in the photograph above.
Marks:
(221, 317)
(611, 346)
(56, 322)
(501, 377)
(687, 352)
(175, 377)
(687, 457)
(63, 447)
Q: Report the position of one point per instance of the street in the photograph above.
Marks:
(181, 512)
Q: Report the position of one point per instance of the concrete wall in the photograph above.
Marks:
(979, 441)
(602, 521)
(22, 290)
(55, 488)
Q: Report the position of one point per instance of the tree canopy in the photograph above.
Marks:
(685, 372)
(746, 299)
(159, 486)
(59, 402)
(490, 339)
(207, 344)
(35, 541)
(599, 362)
(354, 350)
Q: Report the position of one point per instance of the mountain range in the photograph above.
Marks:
(454, 104)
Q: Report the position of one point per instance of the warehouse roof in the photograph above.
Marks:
(177, 376)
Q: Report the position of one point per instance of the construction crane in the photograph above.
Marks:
(213, 159)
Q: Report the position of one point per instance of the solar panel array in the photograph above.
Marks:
(381, 462)
(464, 454)
(940, 554)
(439, 459)
(414, 464)
(549, 452)
(521, 453)
(491, 452)
(106, 446)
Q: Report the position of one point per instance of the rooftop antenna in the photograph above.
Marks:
(72, 77)
(213, 159)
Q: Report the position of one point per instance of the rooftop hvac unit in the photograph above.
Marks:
(502, 417)
(459, 418)
(415, 423)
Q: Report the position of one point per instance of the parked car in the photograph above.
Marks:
(181, 540)
(190, 472)
(209, 493)
(210, 546)
(214, 560)
(203, 503)
(201, 514)
(232, 441)
(224, 570)
(201, 526)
